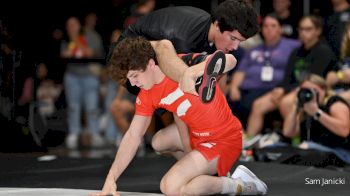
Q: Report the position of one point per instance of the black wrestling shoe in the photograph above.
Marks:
(206, 85)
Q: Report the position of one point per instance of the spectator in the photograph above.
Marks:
(41, 91)
(26, 94)
(313, 56)
(323, 121)
(335, 23)
(262, 68)
(339, 79)
(81, 85)
(93, 37)
(115, 35)
(289, 21)
(7, 50)
(47, 92)
(141, 8)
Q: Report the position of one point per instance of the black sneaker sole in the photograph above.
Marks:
(213, 69)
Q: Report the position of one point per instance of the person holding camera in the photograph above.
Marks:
(319, 116)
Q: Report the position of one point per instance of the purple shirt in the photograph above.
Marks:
(254, 60)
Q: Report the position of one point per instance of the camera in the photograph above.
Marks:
(305, 95)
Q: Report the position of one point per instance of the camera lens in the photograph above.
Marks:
(305, 95)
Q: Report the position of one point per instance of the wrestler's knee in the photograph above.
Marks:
(157, 144)
(185, 190)
(168, 187)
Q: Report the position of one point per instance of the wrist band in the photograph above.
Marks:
(317, 115)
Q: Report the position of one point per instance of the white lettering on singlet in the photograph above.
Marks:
(201, 134)
(208, 145)
(183, 107)
(172, 97)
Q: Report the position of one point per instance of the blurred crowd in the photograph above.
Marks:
(292, 65)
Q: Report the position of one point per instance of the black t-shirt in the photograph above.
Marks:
(186, 27)
(334, 28)
(289, 26)
(319, 133)
(318, 60)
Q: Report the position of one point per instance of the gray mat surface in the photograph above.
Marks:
(58, 192)
(144, 175)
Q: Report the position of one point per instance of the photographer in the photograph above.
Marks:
(319, 116)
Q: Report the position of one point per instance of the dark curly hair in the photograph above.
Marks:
(236, 15)
(132, 53)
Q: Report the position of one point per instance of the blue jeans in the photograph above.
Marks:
(82, 91)
(112, 131)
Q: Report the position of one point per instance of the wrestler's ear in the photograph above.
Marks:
(151, 63)
(216, 24)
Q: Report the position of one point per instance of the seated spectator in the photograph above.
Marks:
(339, 79)
(262, 67)
(47, 92)
(335, 23)
(313, 57)
(319, 116)
(118, 104)
(26, 95)
(39, 90)
(122, 108)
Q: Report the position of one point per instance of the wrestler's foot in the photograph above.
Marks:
(206, 85)
(193, 58)
(252, 185)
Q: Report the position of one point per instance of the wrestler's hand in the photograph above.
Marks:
(188, 80)
(109, 189)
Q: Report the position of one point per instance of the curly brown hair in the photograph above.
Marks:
(132, 53)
